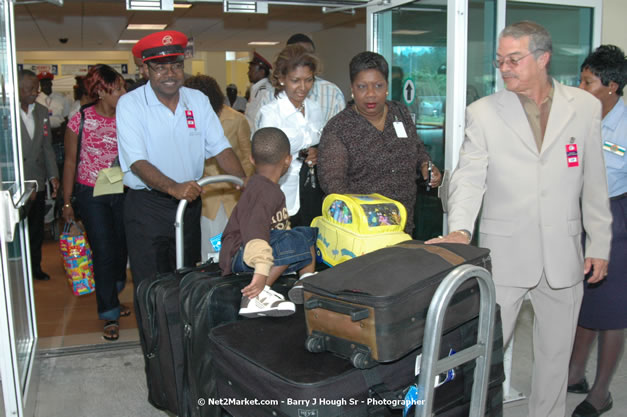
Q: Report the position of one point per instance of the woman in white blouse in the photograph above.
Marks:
(299, 117)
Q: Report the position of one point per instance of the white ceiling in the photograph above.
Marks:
(91, 25)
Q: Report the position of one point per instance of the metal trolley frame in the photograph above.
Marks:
(430, 366)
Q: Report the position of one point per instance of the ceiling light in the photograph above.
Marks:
(135, 26)
(236, 6)
(263, 43)
(165, 5)
(182, 5)
(409, 32)
(128, 41)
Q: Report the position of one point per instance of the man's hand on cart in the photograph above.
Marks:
(457, 236)
(189, 190)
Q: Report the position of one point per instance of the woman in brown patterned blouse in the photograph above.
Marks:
(372, 145)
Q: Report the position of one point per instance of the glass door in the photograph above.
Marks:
(18, 334)
(425, 43)
(572, 28)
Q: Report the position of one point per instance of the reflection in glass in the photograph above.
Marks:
(413, 40)
(570, 28)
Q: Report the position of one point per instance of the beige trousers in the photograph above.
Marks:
(556, 312)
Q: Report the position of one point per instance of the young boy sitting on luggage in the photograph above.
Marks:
(258, 238)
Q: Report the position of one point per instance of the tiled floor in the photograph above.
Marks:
(64, 319)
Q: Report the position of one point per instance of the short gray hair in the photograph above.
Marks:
(539, 37)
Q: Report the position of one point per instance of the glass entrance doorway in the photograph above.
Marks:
(18, 333)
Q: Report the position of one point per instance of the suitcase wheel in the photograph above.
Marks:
(315, 344)
(360, 360)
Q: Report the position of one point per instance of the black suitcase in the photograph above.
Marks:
(161, 336)
(373, 308)
(262, 369)
(206, 302)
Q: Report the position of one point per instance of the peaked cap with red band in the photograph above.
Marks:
(259, 60)
(45, 75)
(160, 45)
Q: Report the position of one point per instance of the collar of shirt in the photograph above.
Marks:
(287, 109)
(613, 118)
(153, 100)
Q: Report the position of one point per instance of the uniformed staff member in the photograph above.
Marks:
(165, 133)
(57, 103)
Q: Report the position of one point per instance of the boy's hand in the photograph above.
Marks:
(255, 287)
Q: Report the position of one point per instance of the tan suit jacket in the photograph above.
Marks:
(237, 131)
(532, 204)
(39, 160)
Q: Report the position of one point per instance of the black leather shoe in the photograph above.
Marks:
(579, 388)
(41, 276)
(585, 409)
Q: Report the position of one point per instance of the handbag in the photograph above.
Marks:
(109, 180)
(77, 259)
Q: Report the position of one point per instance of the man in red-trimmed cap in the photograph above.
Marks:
(58, 105)
(258, 74)
(165, 132)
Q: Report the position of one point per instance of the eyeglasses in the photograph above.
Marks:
(162, 69)
(511, 61)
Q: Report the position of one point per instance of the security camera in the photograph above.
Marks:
(63, 40)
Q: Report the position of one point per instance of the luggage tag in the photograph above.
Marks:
(45, 127)
(413, 396)
(399, 128)
(572, 159)
(189, 115)
(613, 148)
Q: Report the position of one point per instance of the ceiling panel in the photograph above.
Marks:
(100, 24)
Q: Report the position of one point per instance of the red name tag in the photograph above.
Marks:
(190, 119)
(572, 160)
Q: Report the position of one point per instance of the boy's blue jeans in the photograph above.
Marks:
(289, 247)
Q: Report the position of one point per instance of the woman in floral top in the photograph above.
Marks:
(101, 215)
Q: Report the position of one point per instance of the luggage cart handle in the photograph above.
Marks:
(355, 313)
(178, 222)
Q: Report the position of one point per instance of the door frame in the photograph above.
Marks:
(20, 375)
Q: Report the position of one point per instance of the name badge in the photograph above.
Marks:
(613, 148)
(572, 159)
(400, 130)
(190, 119)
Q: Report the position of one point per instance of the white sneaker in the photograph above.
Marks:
(296, 294)
(267, 304)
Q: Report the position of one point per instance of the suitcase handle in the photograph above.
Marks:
(355, 313)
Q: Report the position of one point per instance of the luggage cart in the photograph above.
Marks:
(430, 366)
(178, 223)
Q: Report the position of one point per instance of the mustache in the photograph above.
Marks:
(508, 74)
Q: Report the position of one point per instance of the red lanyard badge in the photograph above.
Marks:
(572, 160)
(189, 115)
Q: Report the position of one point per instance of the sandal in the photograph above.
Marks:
(124, 310)
(111, 330)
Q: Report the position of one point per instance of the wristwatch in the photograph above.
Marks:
(466, 232)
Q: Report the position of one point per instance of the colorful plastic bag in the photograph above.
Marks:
(77, 259)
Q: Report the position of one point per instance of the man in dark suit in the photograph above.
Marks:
(39, 162)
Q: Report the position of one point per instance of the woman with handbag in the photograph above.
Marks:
(91, 146)
(300, 118)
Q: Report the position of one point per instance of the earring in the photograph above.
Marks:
(282, 84)
(610, 93)
(352, 96)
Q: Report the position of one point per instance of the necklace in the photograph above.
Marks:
(379, 124)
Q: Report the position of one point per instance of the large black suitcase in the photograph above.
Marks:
(373, 308)
(161, 336)
(262, 369)
(206, 302)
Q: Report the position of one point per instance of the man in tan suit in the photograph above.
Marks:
(532, 162)
(39, 162)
